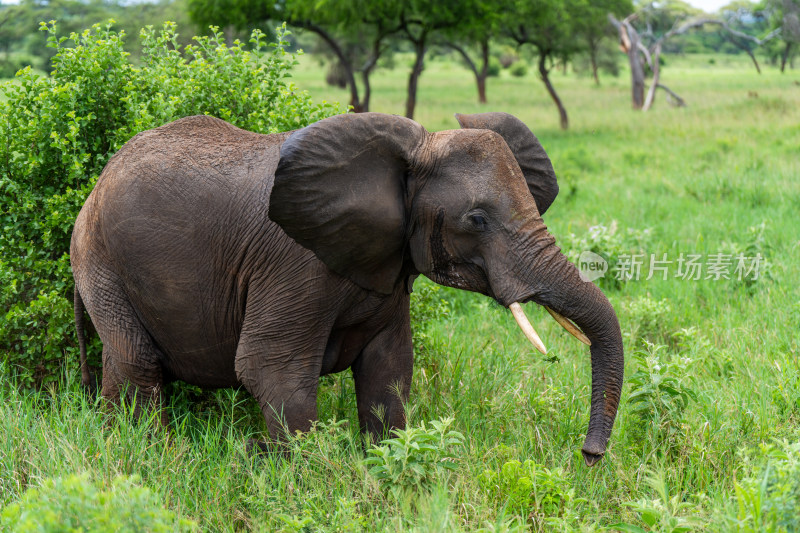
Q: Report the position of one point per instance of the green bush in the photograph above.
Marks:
(76, 503)
(415, 459)
(614, 246)
(647, 318)
(665, 512)
(661, 389)
(533, 491)
(519, 69)
(58, 132)
(770, 501)
(426, 305)
(494, 67)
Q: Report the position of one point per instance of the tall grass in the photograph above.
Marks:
(712, 367)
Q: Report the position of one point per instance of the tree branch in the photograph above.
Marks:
(337, 50)
(460, 50)
(678, 100)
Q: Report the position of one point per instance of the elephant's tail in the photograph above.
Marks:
(88, 379)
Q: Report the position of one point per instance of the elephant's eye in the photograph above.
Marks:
(479, 221)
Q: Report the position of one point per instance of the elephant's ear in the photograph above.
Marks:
(532, 159)
(340, 191)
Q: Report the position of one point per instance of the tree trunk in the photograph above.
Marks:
(481, 90)
(416, 71)
(484, 72)
(367, 91)
(637, 72)
(753, 57)
(651, 93)
(366, 72)
(337, 50)
(630, 42)
(545, 74)
(785, 56)
(593, 60)
(480, 75)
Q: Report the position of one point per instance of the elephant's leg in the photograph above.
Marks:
(382, 375)
(282, 372)
(131, 359)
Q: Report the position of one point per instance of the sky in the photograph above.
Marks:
(709, 6)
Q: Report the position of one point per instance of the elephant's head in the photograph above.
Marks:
(379, 199)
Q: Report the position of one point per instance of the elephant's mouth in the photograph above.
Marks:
(526, 327)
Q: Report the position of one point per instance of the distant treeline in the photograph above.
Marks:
(22, 43)
(360, 36)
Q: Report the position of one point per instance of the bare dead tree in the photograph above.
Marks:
(631, 43)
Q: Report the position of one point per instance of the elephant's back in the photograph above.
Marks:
(175, 213)
(196, 146)
(184, 186)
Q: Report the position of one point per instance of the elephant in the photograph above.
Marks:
(226, 258)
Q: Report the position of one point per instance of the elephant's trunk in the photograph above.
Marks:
(556, 284)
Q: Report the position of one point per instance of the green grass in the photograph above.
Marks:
(718, 176)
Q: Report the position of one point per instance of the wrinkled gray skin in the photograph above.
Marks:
(221, 257)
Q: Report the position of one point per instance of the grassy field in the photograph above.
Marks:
(711, 405)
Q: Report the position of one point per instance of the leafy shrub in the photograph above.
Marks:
(76, 503)
(660, 392)
(345, 519)
(508, 56)
(611, 244)
(494, 67)
(574, 163)
(519, 69)
(58, 132)
(533, 492)
(664, 513)
(693, 343)
(415, 459)
(770, 501)
(427, 305)
(647, 318)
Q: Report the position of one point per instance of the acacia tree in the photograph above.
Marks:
(548, 26)
(420, 20)
(364, 25)
(354, 30)
(593, 26)
(784, 16)
(474, 34)
(745, 17)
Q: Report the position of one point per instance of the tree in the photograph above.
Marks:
(549, 26)
(420, 20)
(355, 31)
(12, 26)
(744, 16)
(784, 16)
(474, 34)
(652, 20)
(593, 26)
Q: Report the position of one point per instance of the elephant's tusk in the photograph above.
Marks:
(525, 326)
(569, 326)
